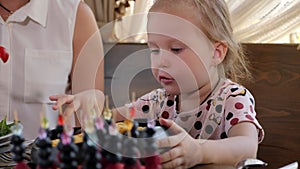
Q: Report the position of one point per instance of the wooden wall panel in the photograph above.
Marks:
(121, 61)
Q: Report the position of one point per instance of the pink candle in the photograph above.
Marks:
(136, 165)
(21, 165)
(152, 162)
(114, 166)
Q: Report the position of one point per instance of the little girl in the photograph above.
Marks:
(196, 59)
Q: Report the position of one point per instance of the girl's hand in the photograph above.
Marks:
(185, 150)
(90, 101)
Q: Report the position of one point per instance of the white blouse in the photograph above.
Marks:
(38, 38)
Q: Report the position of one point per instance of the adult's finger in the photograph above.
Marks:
(61, 100)
(56, 97)
(68, 110)
(69, 118)
(89, 99)
(68, 99)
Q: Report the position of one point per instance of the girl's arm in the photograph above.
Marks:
(186, 151)
(242, 143)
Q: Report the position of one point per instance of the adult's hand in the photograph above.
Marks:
(85, 104)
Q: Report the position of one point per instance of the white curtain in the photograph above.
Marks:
(132, 27)
(254, 21)
(103, 10)
(265, 21)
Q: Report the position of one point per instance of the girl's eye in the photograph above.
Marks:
(154, 51)
(176, 50)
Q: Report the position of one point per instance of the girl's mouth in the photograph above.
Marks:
(166, 80)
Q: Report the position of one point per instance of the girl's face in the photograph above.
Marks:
(181, 54)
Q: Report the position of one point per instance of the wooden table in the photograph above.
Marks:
(210, 166)
(213, 166)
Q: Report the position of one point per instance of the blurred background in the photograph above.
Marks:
(254, 21)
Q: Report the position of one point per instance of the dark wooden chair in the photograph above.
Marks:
(276, 88)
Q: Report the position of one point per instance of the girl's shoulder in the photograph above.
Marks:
(232, 89)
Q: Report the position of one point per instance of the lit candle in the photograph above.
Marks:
(107, 114)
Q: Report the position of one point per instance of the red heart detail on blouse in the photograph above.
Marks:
(3, 55)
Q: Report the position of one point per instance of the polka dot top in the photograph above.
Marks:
(229, 105)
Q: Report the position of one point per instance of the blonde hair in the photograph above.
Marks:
(218, 28)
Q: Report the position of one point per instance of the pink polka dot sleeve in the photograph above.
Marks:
(142, 107)
(239, 107)
(154, 105)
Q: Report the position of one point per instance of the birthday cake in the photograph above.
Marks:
(116, 150)
(102, 144)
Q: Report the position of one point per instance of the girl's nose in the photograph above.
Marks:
(164, 59)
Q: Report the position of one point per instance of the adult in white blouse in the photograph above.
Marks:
(44, 39)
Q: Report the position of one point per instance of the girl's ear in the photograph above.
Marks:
(220, 52)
